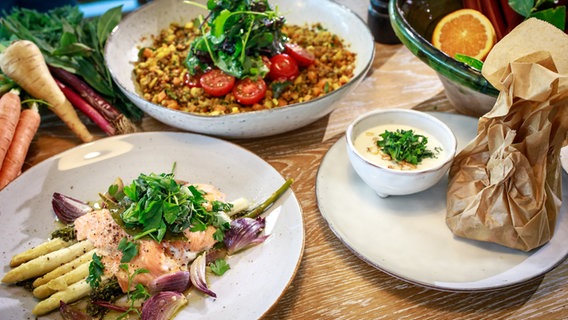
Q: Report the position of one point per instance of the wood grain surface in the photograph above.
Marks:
(332, 282)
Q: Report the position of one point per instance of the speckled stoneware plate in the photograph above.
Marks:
(263, 271)
(407, 236)
(135, 30)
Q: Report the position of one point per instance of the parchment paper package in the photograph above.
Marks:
(505, 186)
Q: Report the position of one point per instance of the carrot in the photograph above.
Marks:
(23, 62)
(120, 122)
(78, 102)
(26, 129)
(9, 115)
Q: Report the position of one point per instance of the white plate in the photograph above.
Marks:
(263, 271)
(407, 236)
(564, 158)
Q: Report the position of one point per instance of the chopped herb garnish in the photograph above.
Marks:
(219, 267)
(405, 145)
(96, 270)
(157, 204)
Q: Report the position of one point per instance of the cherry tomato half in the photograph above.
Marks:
(191, 81)
(283, 67)
(301, 55)
(248, 91)
(217, 83)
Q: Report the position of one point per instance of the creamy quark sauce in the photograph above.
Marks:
(366, 145)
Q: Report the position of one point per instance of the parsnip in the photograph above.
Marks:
(40, 250)
(63, 269)
(23, 62)
(43, 264)
(63, 282)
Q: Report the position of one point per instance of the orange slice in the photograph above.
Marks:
(465, 31)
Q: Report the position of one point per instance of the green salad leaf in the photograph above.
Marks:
(236, 34)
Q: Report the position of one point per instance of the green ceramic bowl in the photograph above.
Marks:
(413, 22)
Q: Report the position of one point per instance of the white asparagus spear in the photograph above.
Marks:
(43, 264)
(73, 293)
(63, 282)
(61, 270)
(40, 250)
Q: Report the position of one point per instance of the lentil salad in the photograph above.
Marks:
(164, 79)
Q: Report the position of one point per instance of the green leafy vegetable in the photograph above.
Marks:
(405, 145)
(96, 271)
(236, 35)
(219, 267)
(73, 43)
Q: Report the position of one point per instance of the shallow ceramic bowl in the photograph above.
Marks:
(390, 182)
(413, 22)
(134, 31)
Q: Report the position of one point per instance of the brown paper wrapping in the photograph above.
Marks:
(505, 185)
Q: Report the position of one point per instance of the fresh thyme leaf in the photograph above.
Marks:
(129, 250)
(404, 145)
(96, 270)
(219, 267)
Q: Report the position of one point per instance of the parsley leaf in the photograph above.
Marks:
(96, 270)
(157, 205)
(219, 267)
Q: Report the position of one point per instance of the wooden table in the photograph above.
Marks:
(331, 282)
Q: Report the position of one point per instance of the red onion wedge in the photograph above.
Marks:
(68, 209)
(197, 275)
(244, 233)
(163, 306)
(175, 281)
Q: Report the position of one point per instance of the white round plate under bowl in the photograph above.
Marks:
(407, 236)
(564, 158)
(82, 172)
